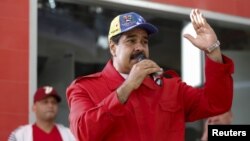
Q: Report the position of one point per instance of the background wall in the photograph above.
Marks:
(14, 53)
(241, 77)
(231, 7)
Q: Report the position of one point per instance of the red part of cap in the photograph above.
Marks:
(44, 92)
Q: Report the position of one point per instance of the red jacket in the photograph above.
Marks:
(152, 113)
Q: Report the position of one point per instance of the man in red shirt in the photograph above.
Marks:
(130, 100)
(45, 107)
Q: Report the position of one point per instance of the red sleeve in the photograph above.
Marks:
(86, 117)
(215, 97)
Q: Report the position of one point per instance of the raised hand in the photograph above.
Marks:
(206, 37)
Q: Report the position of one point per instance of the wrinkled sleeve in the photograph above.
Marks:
(215, 97)
(88, 121)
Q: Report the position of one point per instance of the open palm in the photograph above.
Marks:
(206, 36)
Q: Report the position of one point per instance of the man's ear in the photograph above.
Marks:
(112, 48)
(34, 107)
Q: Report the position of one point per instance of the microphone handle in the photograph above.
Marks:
(157, 78)
(156, 75)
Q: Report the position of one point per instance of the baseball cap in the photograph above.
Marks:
(125, 22)
(44, 92)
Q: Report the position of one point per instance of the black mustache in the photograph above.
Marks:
(138, 55)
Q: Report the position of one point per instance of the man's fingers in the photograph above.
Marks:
(203, 20)
(193, 20)
(197, 19)
(149, 67)
(154, 70)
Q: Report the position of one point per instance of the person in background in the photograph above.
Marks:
(45, 107)
(131, 100)
(222, 119)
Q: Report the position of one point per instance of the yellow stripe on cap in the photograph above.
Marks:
(115, 27)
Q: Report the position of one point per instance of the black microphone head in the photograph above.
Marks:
(141, 56)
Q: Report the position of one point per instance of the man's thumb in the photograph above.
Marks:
(189, 37)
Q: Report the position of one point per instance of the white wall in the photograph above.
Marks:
(241, 76)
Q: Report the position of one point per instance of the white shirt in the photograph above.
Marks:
(24, 133)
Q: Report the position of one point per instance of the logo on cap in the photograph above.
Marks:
(48, 89)
(128, 20)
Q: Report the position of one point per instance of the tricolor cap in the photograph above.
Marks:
(125, 22)
(44, 92)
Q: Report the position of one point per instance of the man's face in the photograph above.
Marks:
(46, 109)
(129, 46)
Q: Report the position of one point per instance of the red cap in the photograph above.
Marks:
(44, 92)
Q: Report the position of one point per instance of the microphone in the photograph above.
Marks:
(156, 75)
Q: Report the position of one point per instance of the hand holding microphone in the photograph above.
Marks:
(139, 71)
(156, 75)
